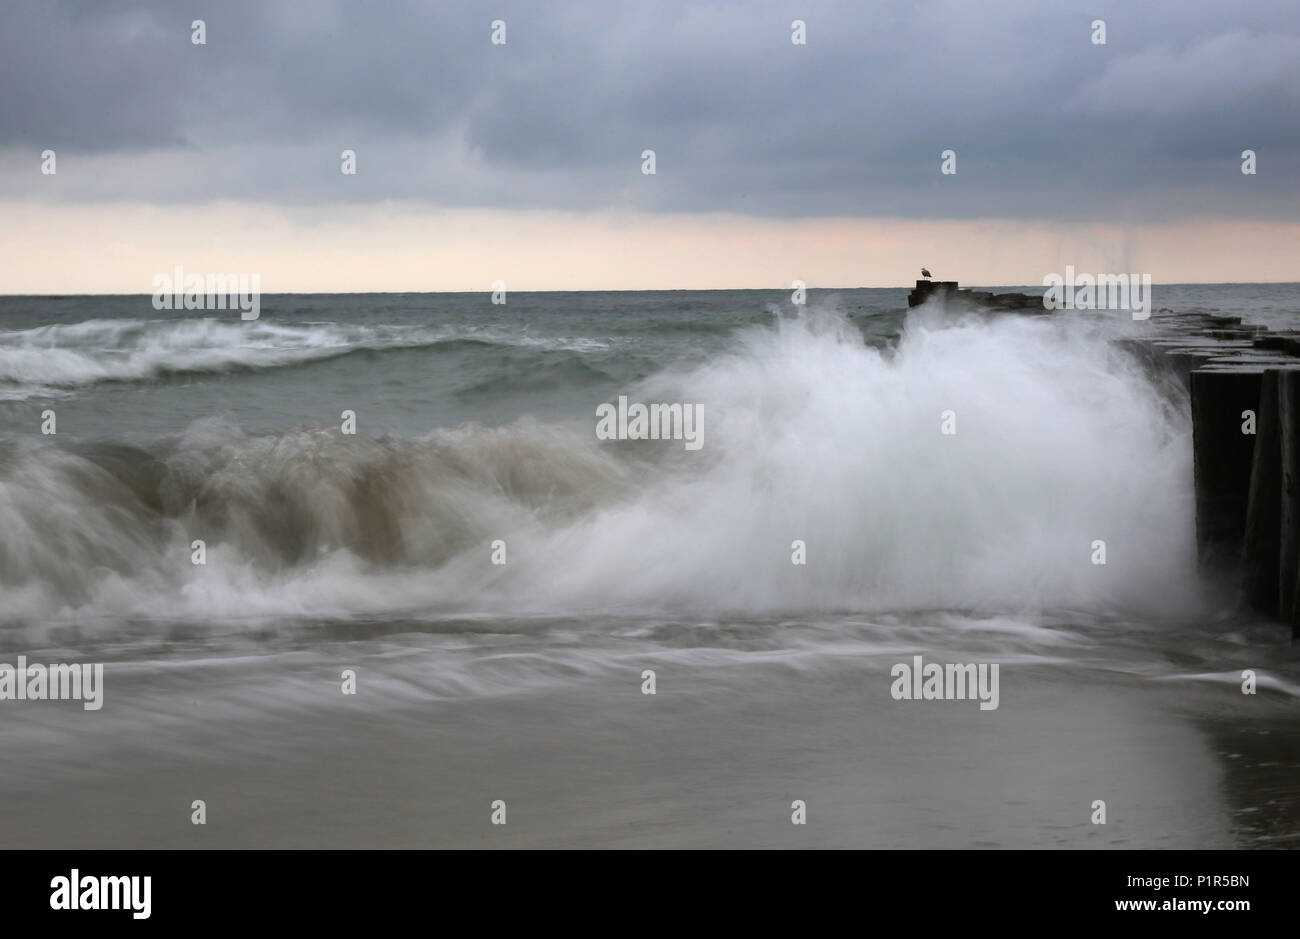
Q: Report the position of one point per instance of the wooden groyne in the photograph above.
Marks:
(948, 292)
(1243, 384)
(1244, 388)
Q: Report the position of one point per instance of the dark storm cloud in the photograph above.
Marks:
(1044, 122)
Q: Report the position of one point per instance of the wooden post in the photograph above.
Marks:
(1221, 459)
(1289, 547)
(1262, 557)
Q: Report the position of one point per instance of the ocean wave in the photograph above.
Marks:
(812, 436)
(53, 359)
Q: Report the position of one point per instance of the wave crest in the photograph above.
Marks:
(48, 359)
(813, 436)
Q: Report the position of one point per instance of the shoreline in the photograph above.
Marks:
(715, 759)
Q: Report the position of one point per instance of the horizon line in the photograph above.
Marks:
(514, 290)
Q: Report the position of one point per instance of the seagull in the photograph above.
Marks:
(925, 273)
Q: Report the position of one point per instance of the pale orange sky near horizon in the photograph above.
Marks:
(391, 247)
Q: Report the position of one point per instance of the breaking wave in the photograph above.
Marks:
(47, 359)
(811, 436)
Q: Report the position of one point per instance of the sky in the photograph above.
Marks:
(523, 161)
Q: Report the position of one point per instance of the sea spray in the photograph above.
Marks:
(814, 436)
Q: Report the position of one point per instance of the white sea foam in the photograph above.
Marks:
(45, 359)
(815, 437)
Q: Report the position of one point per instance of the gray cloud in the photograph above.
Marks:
(1045, 124)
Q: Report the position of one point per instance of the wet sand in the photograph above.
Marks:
(713, 760)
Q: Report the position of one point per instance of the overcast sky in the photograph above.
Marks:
(1142, 134)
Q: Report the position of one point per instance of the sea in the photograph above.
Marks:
(362, 572)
